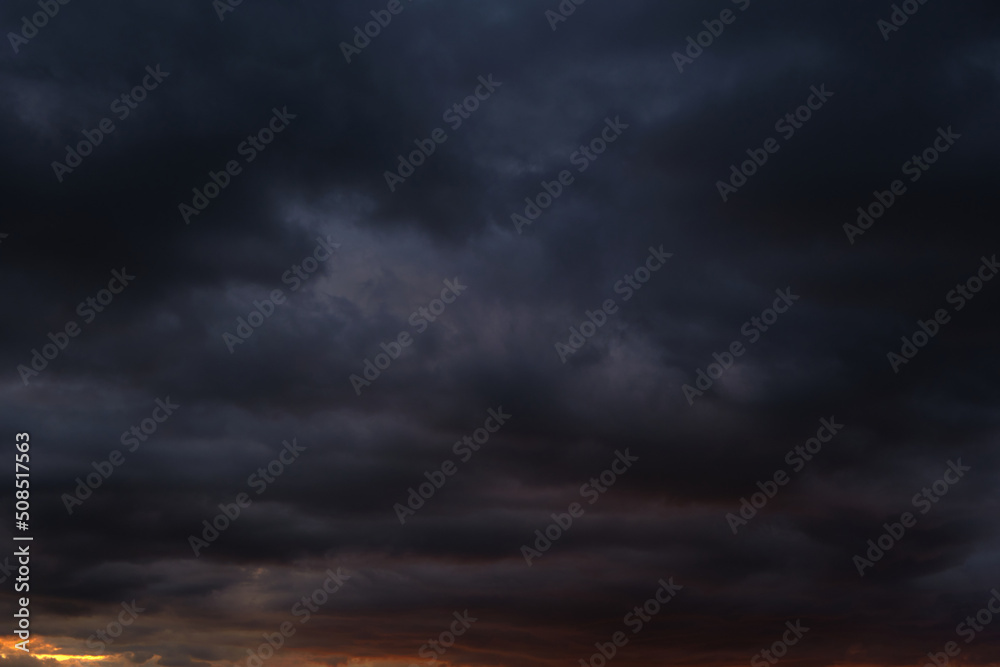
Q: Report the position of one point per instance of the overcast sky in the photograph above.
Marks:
(631, 134)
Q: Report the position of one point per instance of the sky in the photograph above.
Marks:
(504, 334)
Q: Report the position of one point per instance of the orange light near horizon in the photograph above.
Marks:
(42, 649)
(61, 657)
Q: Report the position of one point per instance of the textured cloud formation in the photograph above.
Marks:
(652, 191)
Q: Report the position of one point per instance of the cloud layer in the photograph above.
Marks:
(654, 189)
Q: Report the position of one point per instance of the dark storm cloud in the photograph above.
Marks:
(655, 186)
